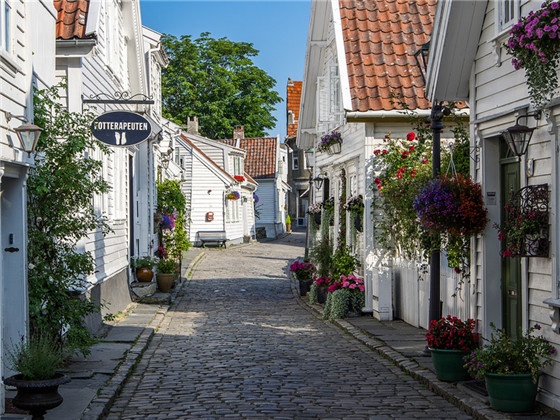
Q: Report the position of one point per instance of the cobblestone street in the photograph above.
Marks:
(237, 343)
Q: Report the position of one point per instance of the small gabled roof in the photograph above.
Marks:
(380, 38)
(261, 157)
(71, 19)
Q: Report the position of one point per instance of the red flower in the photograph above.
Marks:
(405, 154)
(425, 161)
(411, 148)
(384, 152)
(377, 180)
(376, 152)
(410, 136)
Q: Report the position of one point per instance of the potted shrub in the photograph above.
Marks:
(304, 272)
(37, 359)
(511, 368)
(449, 340)
(288, 223)
(345, 296)
(165, 274)
(143, 267)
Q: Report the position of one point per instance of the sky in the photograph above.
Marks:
(277, 29)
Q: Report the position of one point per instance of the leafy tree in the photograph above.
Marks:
(61, 187)
(216, 80)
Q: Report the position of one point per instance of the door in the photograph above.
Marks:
(511, 266)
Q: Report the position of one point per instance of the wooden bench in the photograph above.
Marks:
(212, 236)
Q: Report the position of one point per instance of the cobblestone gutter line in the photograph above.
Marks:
(473, 406)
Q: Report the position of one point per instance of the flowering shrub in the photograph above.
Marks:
(451, 333)
(328, 140)
(505, 355)
(354, 204)
(328, 204)
(233, 195)
(452, 204)
(323, 281)
(315, 208)
(533, 44)
(519, 228)
(167, 221)
(239, 178)
(403, 168)
(302, 270)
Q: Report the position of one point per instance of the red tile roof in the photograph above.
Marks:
(260, 160)
(293, 99)
(71, 19)
(380, 39)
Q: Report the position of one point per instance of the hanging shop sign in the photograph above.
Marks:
(121, 128)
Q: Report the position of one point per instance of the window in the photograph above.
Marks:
(237, 165)
(507, 13)
(5, 26)
(295, 161)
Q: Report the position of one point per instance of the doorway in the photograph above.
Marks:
(511, 266)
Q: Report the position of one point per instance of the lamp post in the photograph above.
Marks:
(310, 162)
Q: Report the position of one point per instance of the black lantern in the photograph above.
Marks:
(27, 133)
(421, 57)
(318, 180)
(519, 136)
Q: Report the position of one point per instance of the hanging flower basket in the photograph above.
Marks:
(330, 143)
(451, 204)
(533, 44)
(354, 204)
(234, 195)
(239, 178)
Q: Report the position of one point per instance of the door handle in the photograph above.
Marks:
(11, 249)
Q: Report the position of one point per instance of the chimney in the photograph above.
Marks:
(192, 125)
(239, 132)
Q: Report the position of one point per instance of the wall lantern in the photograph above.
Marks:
(318, 180)
(519, 136)
(421, 57)
(165, 163)
(27, 133)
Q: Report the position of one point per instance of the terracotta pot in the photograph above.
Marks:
(144, 274)
(165, 281)
(37, 396)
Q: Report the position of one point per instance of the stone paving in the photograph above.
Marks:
(237, 343)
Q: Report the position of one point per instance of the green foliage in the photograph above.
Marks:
(288, 220)
(38, 357)
(337, 305)
(504, 355)
(170, 197)
(313, 293)
(166, 266)
(177, 241)
(216, 80)
(61, 189)
(321, 256)
(343, 262)
(143, 262)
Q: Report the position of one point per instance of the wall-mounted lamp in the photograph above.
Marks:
(421, 57)
(519, 136)
(318, 180)
(165, 163)
(27, 133)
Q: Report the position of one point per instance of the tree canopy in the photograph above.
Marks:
(216, 81)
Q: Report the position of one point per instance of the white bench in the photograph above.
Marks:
(212, 236)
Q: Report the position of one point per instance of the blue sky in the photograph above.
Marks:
(277, 29)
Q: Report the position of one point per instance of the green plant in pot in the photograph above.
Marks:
(37, 359)
(449, 340)
(511, 366)
(143, 267)
(165, 274)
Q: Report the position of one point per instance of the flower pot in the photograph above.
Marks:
(144, 274)
(449, 365)
(335, 148)
(321, 294)
(514, 393)
(288, 227)
(165, 281)
(317, 218)
(304, 286)
(37, 396)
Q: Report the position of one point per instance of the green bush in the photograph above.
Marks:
(343, 262)
(38, 357)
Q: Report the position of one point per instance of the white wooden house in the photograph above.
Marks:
(360, 55)
(266, 163)
(100, 53)
(27, 48)
(468, 61)
(211, 171)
